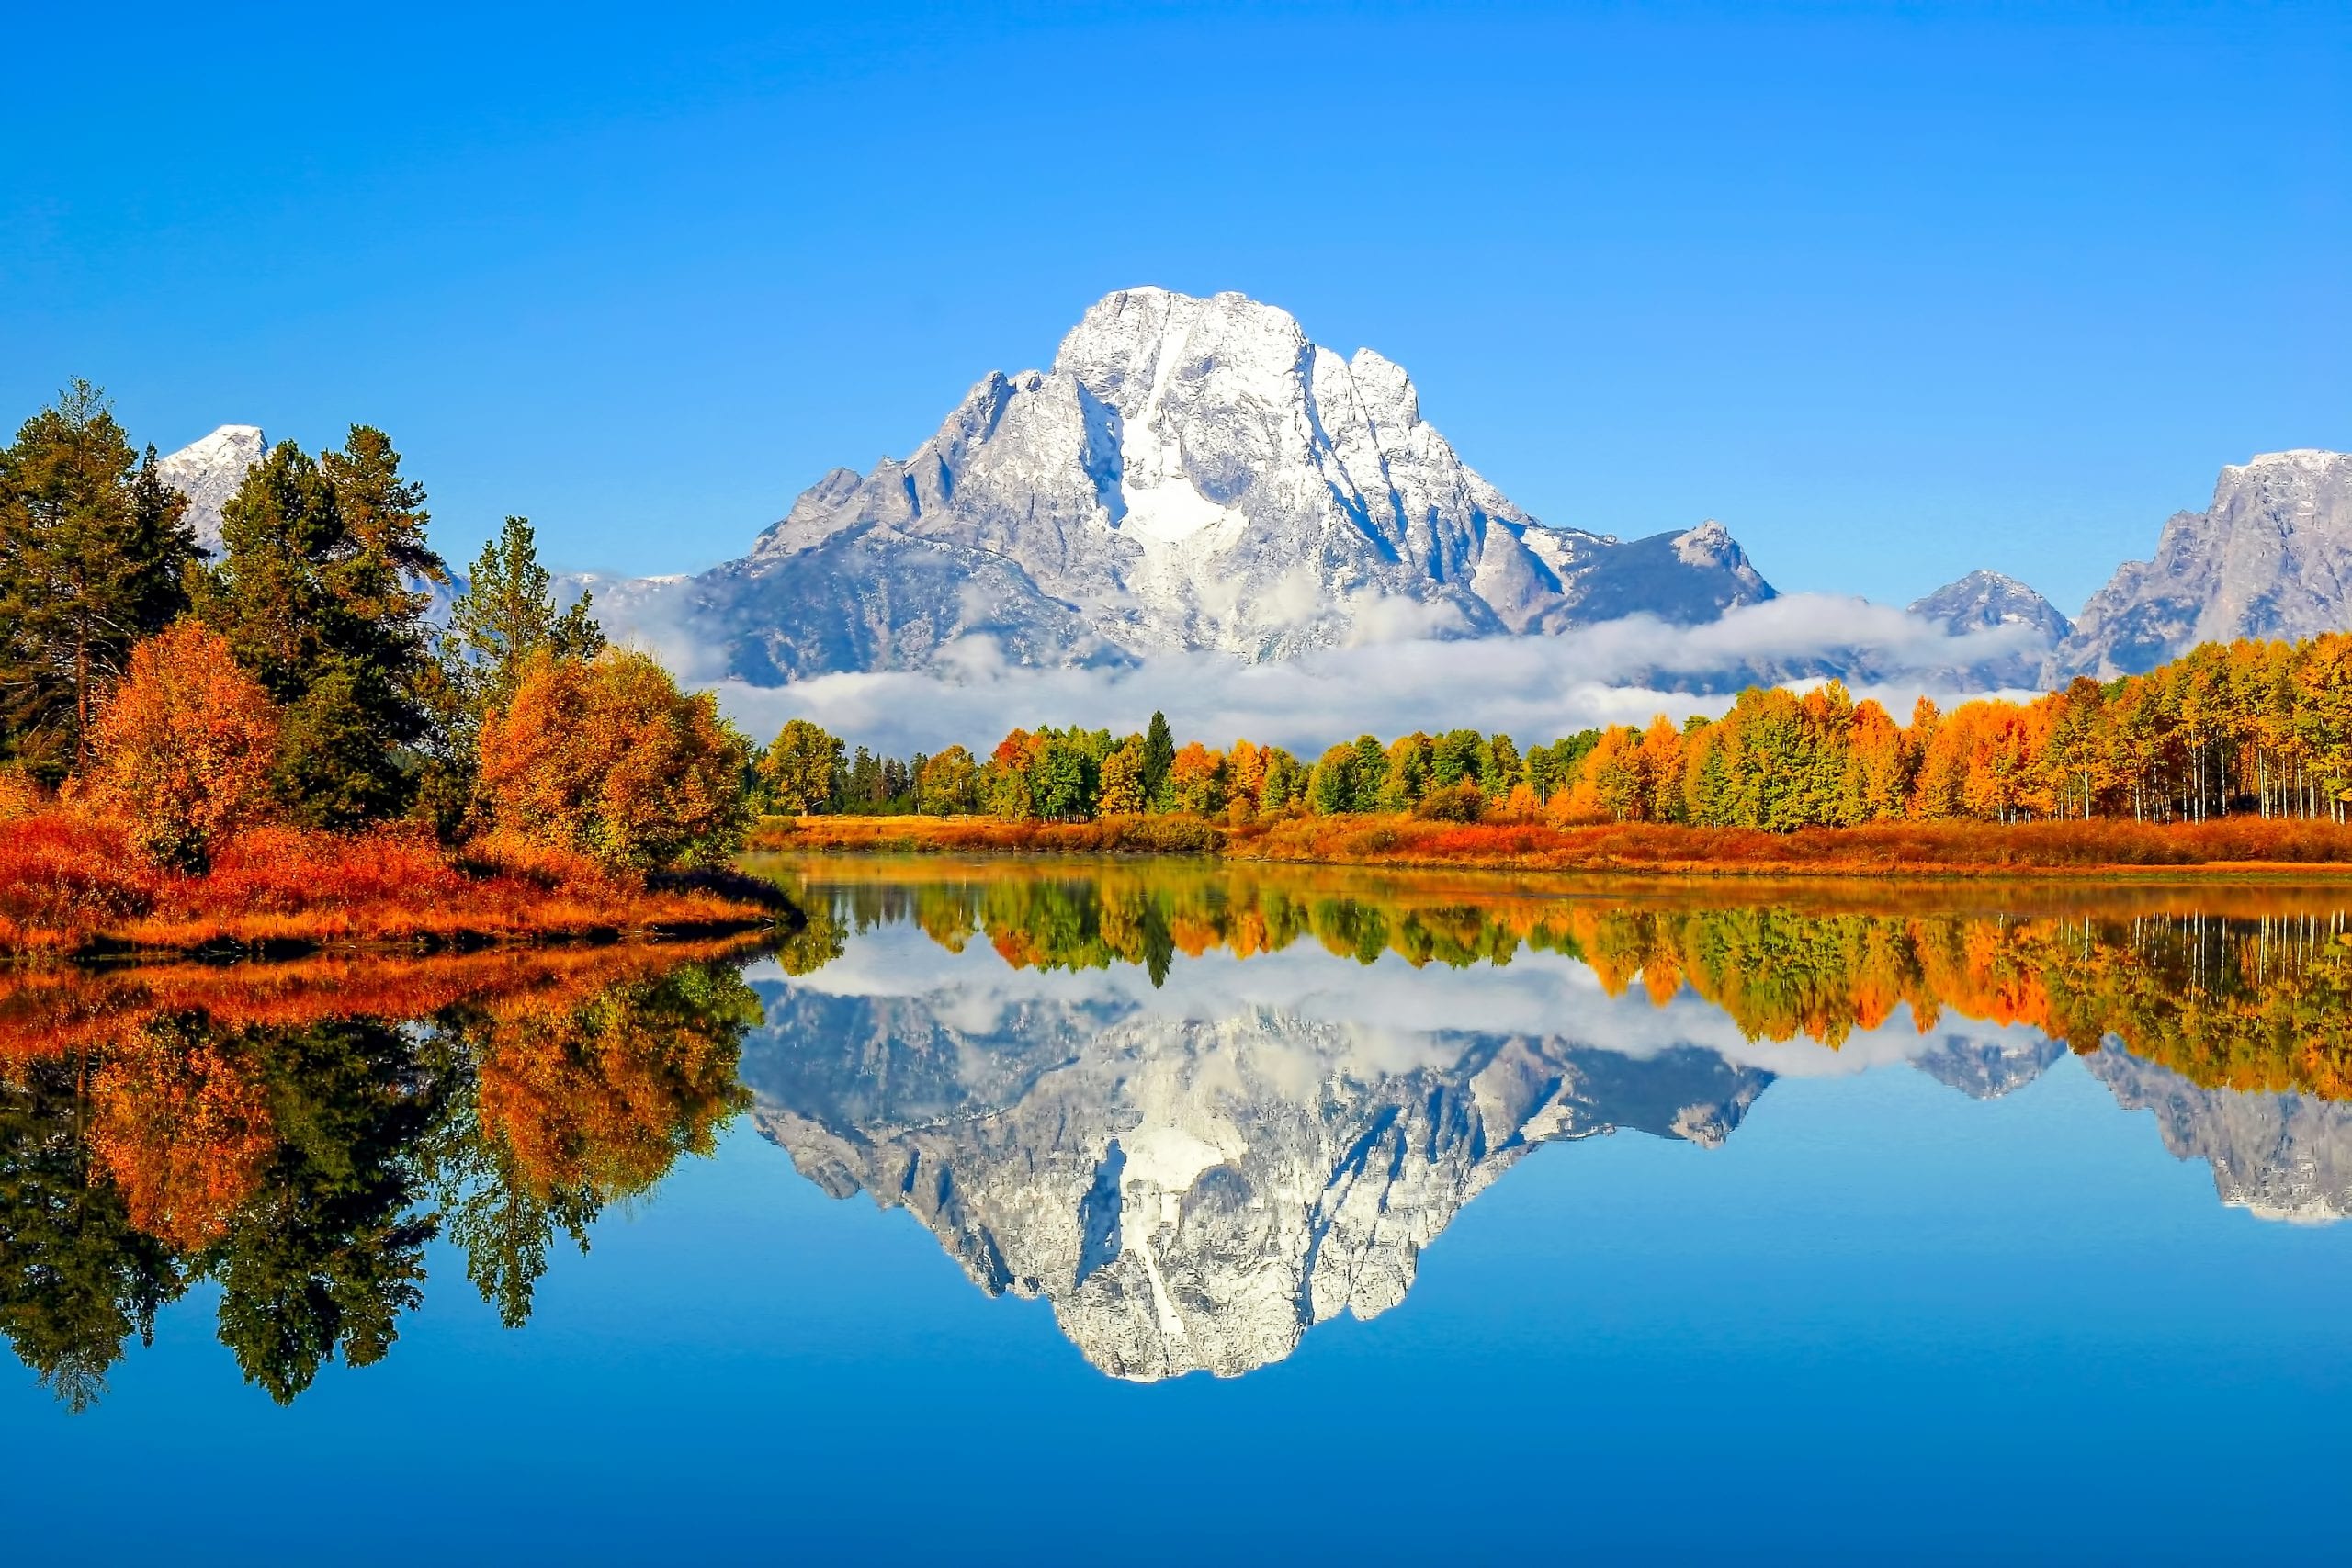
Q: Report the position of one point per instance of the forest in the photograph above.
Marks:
(277, 741)
(2258, 729)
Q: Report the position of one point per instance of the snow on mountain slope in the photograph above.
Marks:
(2026, 625)
(208, 472)
(1190, 474)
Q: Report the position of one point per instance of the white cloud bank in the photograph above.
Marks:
(1534, 688)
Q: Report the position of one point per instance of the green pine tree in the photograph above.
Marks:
(507, 614)
(1158, 756)
(319, 593)
(94, 548)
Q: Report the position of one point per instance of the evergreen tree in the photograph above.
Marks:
(317, 595)
(94, 548)
(507, 614)
(1158, 756)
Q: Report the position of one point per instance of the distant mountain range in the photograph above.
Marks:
(1196, 474)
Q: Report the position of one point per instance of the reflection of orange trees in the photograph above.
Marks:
(300, 1131)
(50, 1010)
(603, 1096)
(2246, 987)
(182, 1128)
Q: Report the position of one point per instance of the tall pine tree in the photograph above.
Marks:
(317, 592)
(507, 614)
(94, 548)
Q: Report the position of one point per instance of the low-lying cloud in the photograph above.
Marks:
(1531, 687)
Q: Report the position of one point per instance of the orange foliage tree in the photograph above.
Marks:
(609, 758)
(184, 749)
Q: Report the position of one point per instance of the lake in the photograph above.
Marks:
(1174, 1212)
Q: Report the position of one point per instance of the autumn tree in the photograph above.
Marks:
(94, 546)
(183, 749)
(800, 770)
(1196, 780)
(1122, 793)
(948, 784)
(608, 757)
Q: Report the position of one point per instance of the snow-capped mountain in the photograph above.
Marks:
(1987, 599)
(1190, 474)
(1189, 1193)
(2271, 557)
(208, 472)
(2023, 626)
(2280, 1156)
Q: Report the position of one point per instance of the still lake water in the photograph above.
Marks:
(1077, 1212)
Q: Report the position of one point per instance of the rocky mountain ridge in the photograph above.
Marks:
(1190, 474)
(2271, 556)
(208, 471)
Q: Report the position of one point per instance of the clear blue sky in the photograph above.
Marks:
(1894, 292)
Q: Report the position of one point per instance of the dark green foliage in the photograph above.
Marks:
(1159, 755)
(507, 614)
(315, 596)
(77, 1280)
(332, 1252)
(94, 548)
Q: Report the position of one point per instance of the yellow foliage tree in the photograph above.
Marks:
(609, 758)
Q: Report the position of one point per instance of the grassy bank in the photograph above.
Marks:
(72, 887)
(2240, 845)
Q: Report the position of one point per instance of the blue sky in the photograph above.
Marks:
(1894, 292)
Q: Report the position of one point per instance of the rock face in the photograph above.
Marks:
(208, 472)
(2271, 557)
(1190, 474)
(1189, 1193)
(1987, 1069)
(1983, 600)
(2027, 626)
(2281, 1156)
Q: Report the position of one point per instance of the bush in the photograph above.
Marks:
(183, 748)
(609, 758)
(1455, 802)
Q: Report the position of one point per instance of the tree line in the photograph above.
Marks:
(293, 675)
(2248, 727)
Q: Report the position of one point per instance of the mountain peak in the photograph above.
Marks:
(208, 471)
(2271, 557)
(1192, 474)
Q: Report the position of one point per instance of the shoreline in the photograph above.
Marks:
(2249, 849)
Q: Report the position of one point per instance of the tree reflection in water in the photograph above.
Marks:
(298, 1134)
(1192, 1179)
(1200, 1108)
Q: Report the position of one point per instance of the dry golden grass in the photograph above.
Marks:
(2239, 845)
(70, 883)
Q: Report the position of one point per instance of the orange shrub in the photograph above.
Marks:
(609, 758)
(184, 747)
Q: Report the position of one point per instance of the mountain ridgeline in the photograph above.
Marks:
(1198, 474)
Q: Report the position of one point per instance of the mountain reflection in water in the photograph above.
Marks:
(1202, 1109)
(1197, 1108)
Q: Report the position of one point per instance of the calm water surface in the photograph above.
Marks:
(1164, 1212)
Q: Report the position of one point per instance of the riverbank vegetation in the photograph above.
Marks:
(267, 743)
(2260, 729)
(2245, 846)
(2238, 752)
